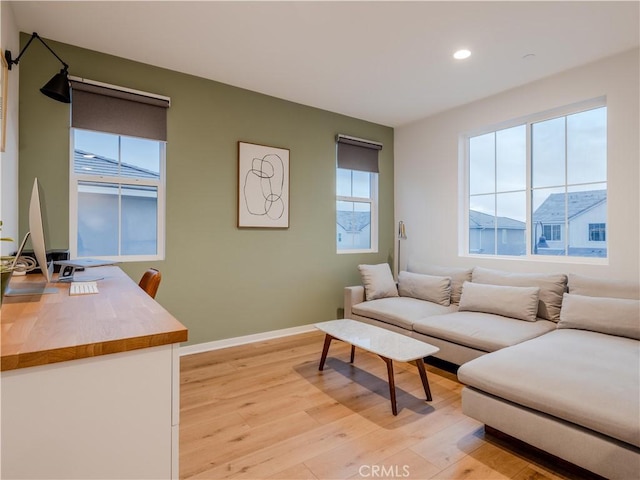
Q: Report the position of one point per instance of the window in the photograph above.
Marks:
(118, 187)
(597, 232)
(497, 192)
(357, 195)
(552, 232)
(356, 210)
(534, 188)
(117, 179)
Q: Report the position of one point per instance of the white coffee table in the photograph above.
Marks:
(386, 344)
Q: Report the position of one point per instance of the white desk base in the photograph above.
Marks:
(112, 416)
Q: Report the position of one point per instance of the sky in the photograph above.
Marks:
(498, 162)
(135, 151)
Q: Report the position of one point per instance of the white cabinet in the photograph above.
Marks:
(111, 416)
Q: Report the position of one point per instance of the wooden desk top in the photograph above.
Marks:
(43, 329)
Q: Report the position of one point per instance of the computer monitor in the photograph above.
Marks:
(36, 229)
(37, 226)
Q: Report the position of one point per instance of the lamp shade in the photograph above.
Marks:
(542, 242)
(58, 87)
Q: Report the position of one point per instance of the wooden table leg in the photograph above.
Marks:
(392, 384)
(353, 353)
(423, 377)
(325, 350)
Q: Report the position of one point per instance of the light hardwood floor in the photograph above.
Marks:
(264, 411)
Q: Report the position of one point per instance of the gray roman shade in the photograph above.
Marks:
(358, 154)
(104, 109)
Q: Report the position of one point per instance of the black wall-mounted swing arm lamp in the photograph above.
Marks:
(56, 88)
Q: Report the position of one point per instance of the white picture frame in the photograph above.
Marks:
(263, 186)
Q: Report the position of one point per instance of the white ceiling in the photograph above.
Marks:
(386, 62)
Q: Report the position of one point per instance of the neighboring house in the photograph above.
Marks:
(354, 230)
(510, 238)
(586, 218)
(99, 211)
(89, 163)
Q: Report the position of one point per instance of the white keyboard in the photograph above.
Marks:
(83, 288)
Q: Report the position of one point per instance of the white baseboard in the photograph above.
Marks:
(233, 342)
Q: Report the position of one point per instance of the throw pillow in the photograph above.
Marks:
(552, 287)
(613, 316)
(458, 276)
(599, 287)
(378, 281)
(514, 302)
(425, 287)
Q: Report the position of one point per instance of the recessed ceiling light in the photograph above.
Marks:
(88, 155)
(462, 54)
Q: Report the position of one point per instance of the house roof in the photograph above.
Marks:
(87, 162)
(482, 220)
(353, 221)
(552, 209)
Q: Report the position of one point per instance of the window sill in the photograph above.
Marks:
(542, 259)
(343, 252)
(129, 258)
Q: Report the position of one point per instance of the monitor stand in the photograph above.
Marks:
(38, 289)
(29, 288)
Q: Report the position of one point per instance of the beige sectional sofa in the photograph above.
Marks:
(565, 378)
(465, 332)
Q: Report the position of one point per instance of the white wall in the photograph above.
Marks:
(427, 172)
(579, 227)
(9, 40)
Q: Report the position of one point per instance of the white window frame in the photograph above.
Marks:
(464, 188)
(160, 184)
(373, 203)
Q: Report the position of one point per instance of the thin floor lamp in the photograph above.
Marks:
(402, 235)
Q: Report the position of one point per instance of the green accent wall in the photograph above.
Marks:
(218, 280)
